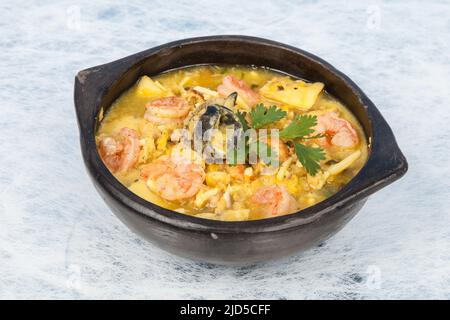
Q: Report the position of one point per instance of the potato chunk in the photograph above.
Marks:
(148, 88)
(204, 196)
(217, 179)
(235, 215)
(296, 93)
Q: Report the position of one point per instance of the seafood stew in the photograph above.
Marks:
(231, 143)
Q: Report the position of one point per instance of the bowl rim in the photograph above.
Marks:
(363, 184)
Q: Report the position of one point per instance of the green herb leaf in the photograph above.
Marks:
(300, 127)
(262, 116)
(309, 157)
(241, 118)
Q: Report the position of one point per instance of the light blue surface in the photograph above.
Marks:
(59, 240)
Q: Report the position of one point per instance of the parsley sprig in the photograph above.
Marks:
(241, 117)
(299, 129)
(262, 116)
(302, 128)
(309, 157)
(258, 145)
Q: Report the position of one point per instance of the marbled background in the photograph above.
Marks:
(59, 240)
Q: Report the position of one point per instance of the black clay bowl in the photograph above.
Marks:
(233, 242)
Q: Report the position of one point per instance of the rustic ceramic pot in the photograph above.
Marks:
(233, 242)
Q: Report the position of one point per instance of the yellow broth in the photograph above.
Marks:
(221, 195)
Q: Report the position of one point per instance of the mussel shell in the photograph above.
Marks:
(218, 117)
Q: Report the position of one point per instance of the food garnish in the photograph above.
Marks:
(299, 129)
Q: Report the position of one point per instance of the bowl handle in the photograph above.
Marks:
(387, 162)
(92, 84)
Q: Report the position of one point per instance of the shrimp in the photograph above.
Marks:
(339, 131)
(174, 178)
(231, 84)
(274, 201)
(167, 110)
(122, 152)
